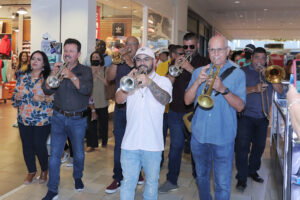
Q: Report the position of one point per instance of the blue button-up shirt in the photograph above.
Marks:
(218, 125)
(253, 107)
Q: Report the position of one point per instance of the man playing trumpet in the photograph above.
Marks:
(71, 99)
(214, 130)
(253, 125)
(143, 143)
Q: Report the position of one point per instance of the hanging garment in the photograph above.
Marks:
(3, 71)
(5, 45)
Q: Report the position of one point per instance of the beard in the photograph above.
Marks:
(144, 69)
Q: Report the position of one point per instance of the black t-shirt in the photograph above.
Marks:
(181, 83)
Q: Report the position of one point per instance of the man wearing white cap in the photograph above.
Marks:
(143, 143)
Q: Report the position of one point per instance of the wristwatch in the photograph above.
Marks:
(226, 91)
(74, 78)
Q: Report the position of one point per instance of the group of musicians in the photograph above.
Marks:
(139, 116)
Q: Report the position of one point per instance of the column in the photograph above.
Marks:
(64, 19)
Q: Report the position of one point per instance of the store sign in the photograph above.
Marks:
(118, 29)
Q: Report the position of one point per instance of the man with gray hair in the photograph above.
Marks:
(214, 129)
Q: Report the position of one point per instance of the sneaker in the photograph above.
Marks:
(15, 125)
(51, 196)
(65, 157)
(113, 187)
(70, 163)
(79, 185)
(141, 179)
(241, 185)
(167, 187)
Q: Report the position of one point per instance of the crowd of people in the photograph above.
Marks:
(150, 102)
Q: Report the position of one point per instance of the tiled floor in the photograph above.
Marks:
(98, 172)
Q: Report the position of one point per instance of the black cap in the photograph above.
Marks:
(249, 48)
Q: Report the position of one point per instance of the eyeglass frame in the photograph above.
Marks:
(219, 50)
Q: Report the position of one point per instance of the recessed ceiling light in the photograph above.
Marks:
(266, 9)
(236, 2)
(125, 7)
(241, 16)
(13, 16)
(0, 6)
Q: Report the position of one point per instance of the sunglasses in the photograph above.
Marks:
(187, 46)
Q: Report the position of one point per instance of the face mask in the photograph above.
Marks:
(95, 62)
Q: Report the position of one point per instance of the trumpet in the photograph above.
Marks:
(118, 58)
(129, 83)
(176, 69)
(55, 80)
(204, 100)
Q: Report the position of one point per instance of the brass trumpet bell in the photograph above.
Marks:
(205, 101)
(274, 74)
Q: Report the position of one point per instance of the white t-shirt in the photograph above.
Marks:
(144, 114)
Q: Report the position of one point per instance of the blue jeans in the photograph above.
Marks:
(119, 131)
(218, 156)
(250, 131)
(132, 161)
(176, 127)
(63, 127)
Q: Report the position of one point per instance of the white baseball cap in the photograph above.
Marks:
(146, 51)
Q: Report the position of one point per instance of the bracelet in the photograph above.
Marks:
(293, 103)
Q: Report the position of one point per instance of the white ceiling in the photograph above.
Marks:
(246, 20)
(253, 19)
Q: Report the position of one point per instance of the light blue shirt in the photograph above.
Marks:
(218, 125)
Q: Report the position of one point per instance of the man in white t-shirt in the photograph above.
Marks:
(143, 140)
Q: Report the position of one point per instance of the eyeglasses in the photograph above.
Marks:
(185, 47)
(218, 50)
(146, 59)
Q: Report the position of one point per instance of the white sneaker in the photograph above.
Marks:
(65, 157)
(70, 163)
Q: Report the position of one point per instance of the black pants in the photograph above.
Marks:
(251, 132)
(93, 128)
(68, 145)
(34, 140)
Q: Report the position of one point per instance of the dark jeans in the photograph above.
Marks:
(250, 132)
(34, 140)
(119, 130)
(68, 145)
(63, 127)
(93, 128)
(177, 129)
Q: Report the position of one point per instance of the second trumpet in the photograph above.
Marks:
(176, 69)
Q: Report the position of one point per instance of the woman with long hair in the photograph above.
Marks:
(34, 114)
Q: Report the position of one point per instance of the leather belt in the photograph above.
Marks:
(67, 113)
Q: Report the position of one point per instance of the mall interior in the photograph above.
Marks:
(32, 25)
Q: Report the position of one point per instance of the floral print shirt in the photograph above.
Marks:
(31, 112)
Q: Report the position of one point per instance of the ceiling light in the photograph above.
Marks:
(236, 2)
(266, 9)
(150, 21)
(125, 7)
(16, 30)
(13, 16)
(0, 6)
(22, 11)
(241, 16)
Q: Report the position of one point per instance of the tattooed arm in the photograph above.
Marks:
(159, 94)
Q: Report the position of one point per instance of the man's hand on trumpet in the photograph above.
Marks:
(202, 75)
(218, 85)
(67, 73)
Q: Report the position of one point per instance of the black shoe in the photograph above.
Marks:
(256, 177)
(51, 196)
(241, 185)
(79, 185)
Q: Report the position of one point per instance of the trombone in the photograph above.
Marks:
(204, 100)
(273, 74)
(175, 70)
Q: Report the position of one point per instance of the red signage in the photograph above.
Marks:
(98, 22)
